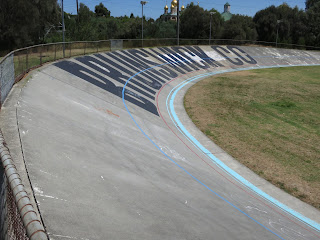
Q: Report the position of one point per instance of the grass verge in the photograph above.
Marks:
(267, 119)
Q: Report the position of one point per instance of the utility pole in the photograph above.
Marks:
(77, 7)
(278, 21)
(63, 28)
(142, 3)
(178, 31)
(211, 13)
(77, 12)
(77, 15)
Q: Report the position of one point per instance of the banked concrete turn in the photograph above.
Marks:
(111, 153)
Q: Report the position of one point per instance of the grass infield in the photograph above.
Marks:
(267, 119)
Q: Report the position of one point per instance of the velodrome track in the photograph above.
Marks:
(111, 153)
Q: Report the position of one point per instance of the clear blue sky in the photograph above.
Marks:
(154, 8)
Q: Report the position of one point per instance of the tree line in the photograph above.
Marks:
(29, 22)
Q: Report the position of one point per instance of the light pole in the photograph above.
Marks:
(178, 31)
(63, 28)
(77, 7)
(142, 3)
(278, 21)
(77, 14)
(211, 13)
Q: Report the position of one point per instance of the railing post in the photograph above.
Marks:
(70, 44)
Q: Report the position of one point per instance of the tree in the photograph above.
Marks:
(313, 18)
(49, 16)
(311, 3)
(195, 22)
(266, 24)
(85, 14)
(87, 25)
(290, 23)
(101, 11)
(24, 23)
(240, 27)
(162, 29)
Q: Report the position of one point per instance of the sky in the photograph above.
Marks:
(154, 8)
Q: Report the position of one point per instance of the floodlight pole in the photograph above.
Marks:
(63, 28)
(278, 21)
(77, 7)
(142, 3)
(178, 31)
(211, 13)
(77, 14)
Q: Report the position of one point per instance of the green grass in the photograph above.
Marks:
(269, 120)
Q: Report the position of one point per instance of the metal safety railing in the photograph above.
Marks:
(18, 219)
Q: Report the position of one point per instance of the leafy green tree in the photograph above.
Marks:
(24, 23)
(313, 18)
(311, 3)
(85, 14)
(86, 30)
(266, 24)
(162, 29)
(240, 27)
(291, 24)
(216, 24)
(49, 17)
(195, 22)
(130, 28)
(71, 27)
(101, 11)
(28, 22)
(298, 26)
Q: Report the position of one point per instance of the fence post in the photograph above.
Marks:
(27, 60)
(20, 65)
(97, 47)
(41, 54)
(85, 45)
(70, 44)
(55, 51)
(0, 87)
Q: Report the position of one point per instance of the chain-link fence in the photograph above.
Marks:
(11, 226)
(6, 77)
(18, 219)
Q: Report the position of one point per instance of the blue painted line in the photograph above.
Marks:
(183, 169)
(217, 161)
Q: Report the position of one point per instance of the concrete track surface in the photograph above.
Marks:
(111, 153)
